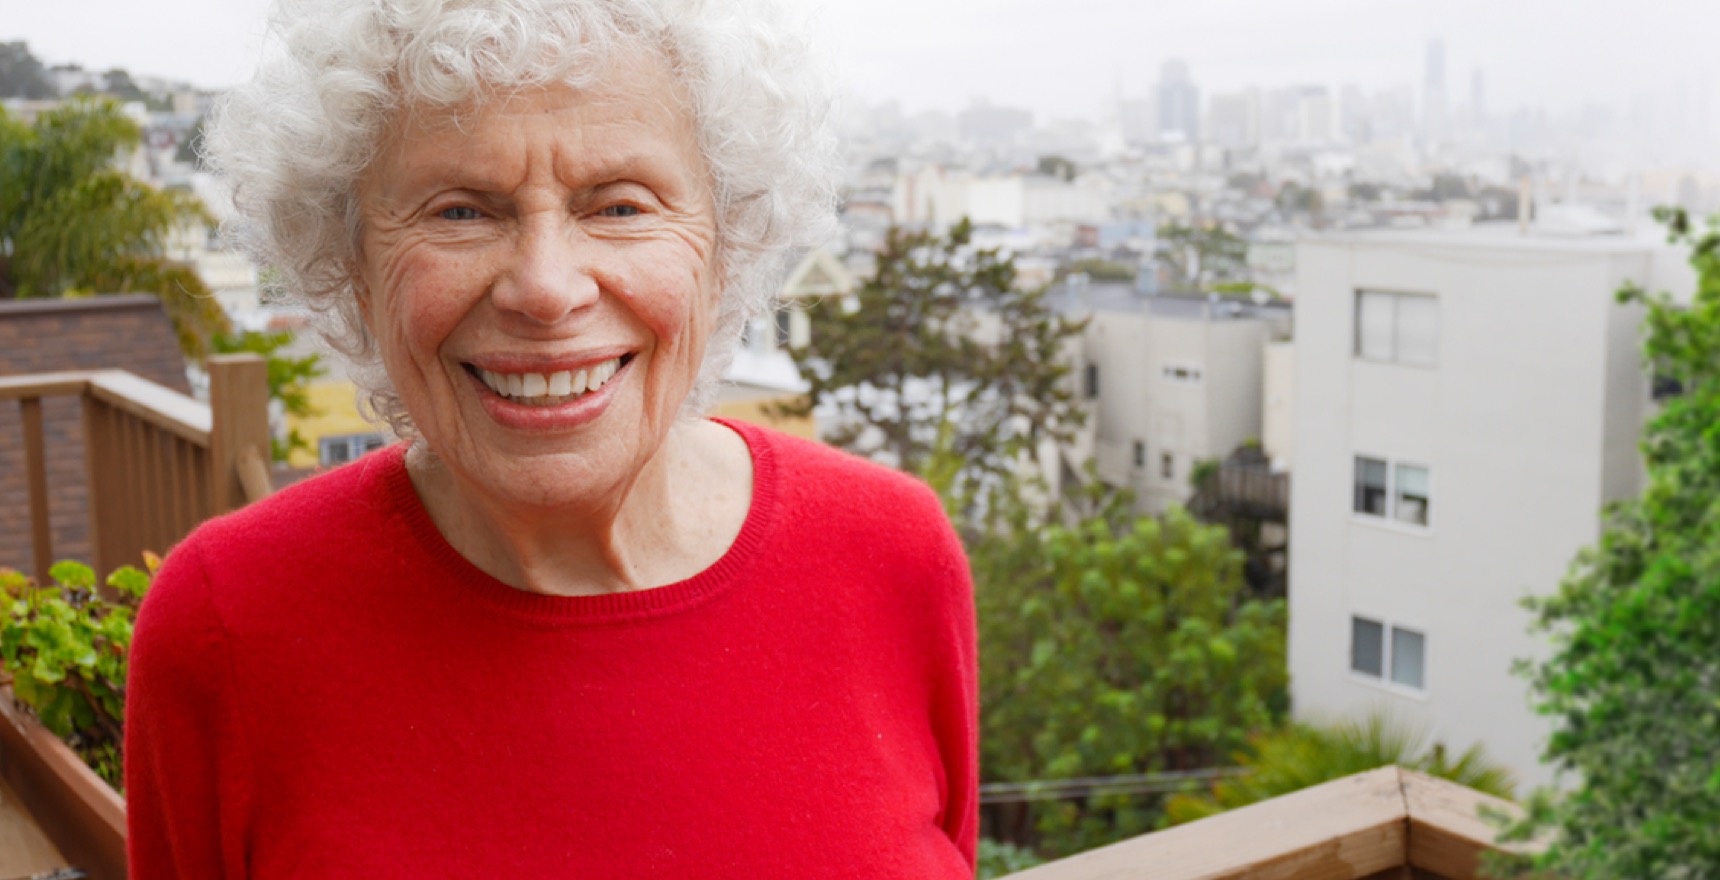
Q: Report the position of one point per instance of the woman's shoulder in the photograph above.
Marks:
(812, 473)
(268, 556)
(824, 497)
(331, 505)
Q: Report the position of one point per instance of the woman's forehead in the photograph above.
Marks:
(629, 124)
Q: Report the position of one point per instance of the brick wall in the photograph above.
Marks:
(46, 336)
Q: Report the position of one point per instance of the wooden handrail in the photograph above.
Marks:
(156, 462)
(162, 407)
(1347, 829)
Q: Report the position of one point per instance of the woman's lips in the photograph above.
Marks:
(548, 389)
(546, 411)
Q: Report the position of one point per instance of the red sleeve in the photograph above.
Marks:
(956, 699)
(186, 784)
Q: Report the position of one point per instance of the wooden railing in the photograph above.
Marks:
(1388, 822)
(156, 462)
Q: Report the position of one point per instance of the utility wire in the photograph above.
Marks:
(1089, 786)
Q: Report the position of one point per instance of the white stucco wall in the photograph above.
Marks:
(1528, 424)
(1278, 404)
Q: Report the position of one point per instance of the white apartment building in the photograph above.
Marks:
(1465, 404)
(1169, 382)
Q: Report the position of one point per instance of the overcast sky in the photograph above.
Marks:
(1068, 57)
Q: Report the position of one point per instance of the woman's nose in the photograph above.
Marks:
(551, 272)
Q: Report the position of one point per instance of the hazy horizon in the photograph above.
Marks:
(1075, 57)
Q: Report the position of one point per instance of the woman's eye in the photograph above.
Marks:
(621, 211)
(459, 212)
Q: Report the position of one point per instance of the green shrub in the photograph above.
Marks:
(66, 647)
(997, 859)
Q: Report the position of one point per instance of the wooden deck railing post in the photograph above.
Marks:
(98, 470)
(36, 467)
(239, 405)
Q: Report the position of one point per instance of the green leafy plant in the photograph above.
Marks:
(998, 859)
(1116, 645)
(67, 647)
(1632, 683)
(1301, 755)
(73, 223)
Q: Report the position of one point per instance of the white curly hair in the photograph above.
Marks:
(294, 141)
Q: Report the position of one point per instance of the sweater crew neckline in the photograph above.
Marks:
(395, 485)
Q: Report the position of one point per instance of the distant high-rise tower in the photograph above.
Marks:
(1178, 104)
(1433, 106)
(1478, 94)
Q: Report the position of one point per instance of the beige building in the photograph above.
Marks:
(1170, 382)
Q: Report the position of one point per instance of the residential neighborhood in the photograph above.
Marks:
(1289, 430)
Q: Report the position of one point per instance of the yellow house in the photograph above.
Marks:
(337, 432)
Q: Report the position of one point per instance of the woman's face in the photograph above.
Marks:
(541, 275)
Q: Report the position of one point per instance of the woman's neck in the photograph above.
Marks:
(672, 520)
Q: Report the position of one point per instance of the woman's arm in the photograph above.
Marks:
(955, 705)
(186, 778)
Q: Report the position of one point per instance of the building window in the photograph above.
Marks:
(346, 447)
(1140, 454)
(1367, 647)
(1168, 466)
(1409, 651)
(1181, 373)
(1370, 486)
(1401, 658)
(1398, 328)
(1092, 375)
(1393, 490)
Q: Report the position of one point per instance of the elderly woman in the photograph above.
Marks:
(568, 628)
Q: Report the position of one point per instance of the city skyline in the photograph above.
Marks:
(1072, 58)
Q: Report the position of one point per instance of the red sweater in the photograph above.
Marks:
(322, 687)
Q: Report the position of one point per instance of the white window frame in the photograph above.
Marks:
(1395, 356)
(1390, 517)
(357, 445)
(1388, 629)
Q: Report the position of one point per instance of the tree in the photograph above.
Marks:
(1300, 755)
(1118, 645)
(1202, 257)
(1058, 167)
(21, 74)
(71, 222)
(118, 83)
(940, 335)
(1632, 682)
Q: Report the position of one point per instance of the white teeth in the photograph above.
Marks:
(546, 389)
